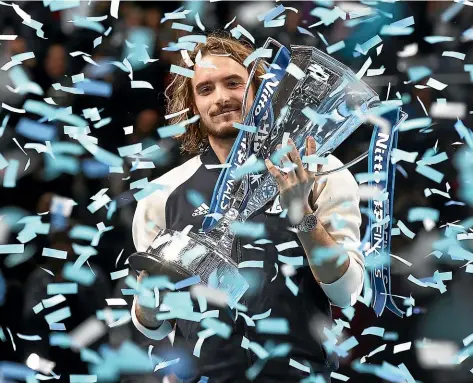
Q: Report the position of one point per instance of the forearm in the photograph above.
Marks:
(156, 330)
(146, 316)
(328, 271)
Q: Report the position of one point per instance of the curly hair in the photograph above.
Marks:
(179, 93)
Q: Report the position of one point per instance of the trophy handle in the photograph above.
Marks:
(357, 159)
(346, 166)
(269, 40)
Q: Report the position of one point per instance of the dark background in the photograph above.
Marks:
(443, 317)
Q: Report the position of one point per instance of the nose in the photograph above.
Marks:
(222, 96)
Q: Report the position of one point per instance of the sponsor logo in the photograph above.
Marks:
(265, 95)
(201, 210)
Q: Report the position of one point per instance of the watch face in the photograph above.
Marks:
(311, 222)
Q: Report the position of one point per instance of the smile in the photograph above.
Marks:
(228, 112)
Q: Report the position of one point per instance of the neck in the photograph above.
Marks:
(221, 147)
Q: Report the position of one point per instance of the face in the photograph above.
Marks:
(218, 95)
(55, 63)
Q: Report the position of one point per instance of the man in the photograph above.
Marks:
(302, 297)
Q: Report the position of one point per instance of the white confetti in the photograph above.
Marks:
(364, 68)
(448, 110)
(141, 85)
(295, 71)
(402, 347)
(168, 116)
(229, 23)
(186, 58)
(216, 297)
(87, 333)
(116, 302)
(433, 83)
(198, 22)
(286, 245)
(456, 55)
(8, 37)
(12, 109)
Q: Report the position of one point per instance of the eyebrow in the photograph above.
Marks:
(225, 78)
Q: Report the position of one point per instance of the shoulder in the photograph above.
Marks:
(150, 213)
(336, 188)
(170, 180)
(179, 173)
(341, 178)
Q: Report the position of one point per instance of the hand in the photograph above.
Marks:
(296, 185)
(145, 315)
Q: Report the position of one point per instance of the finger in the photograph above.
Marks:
(311, 148)
(275, 173)
(142, 276)
(287, 163)
(296, 158)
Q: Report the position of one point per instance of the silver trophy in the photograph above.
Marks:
(329, 103)
(181, 255)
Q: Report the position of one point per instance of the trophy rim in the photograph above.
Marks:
(140, 259)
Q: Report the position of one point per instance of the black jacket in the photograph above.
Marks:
(307, 313)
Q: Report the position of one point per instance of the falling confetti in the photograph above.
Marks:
(94, 132)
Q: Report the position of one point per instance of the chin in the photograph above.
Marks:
(223, 132)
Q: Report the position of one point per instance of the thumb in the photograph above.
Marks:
(142, 276)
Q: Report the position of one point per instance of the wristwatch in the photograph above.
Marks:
(308, 223)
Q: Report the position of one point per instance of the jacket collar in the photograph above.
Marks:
(208, 157)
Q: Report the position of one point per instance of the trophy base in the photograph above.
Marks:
(178, 256)
(153, 266)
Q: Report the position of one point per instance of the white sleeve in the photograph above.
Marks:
(338, 210)
(148, 220)
(344, 291)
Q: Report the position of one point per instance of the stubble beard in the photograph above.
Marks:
(223, 132)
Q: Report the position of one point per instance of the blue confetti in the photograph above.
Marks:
(292, 286)
(272, 326)
(60, 254)
(62, 288)
(248, 229)
(12, 249)
(95, 88)
(10, 176)
(451, 12)
(378, 331)
(430, 173)
(58, 315)
(195, 198)
(421, 213)
(416, 73)
(257, 264)
(220, 328)
(335, 47)
(82, 378)
(80, 275)
(2, 289)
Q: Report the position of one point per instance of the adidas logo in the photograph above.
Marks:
(201, 210)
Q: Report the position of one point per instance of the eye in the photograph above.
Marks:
(233, 83)
(204, 90)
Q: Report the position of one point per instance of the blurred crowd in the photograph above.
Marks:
(119, 106)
